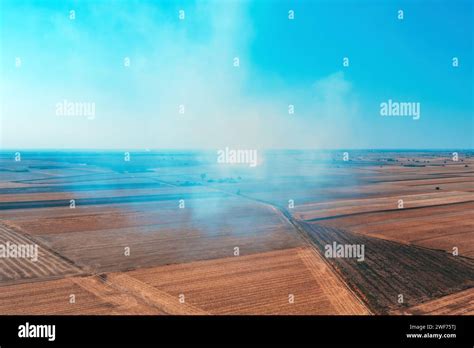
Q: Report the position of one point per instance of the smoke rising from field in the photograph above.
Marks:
(137, 107)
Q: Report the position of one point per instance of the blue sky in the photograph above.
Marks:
(190, 62)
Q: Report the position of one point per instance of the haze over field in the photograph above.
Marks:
(133, 237)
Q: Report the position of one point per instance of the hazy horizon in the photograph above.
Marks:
(214, 149)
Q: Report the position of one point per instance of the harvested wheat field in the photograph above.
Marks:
(459, 303)
(442, 227)
(255, 284)
(36, 261)
(90, 296)
(156, 232)
(344, 208)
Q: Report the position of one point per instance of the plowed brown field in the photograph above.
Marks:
(391, 269)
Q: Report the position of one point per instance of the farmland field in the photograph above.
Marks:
(90, 296)
(178, 233)
(37, 264)
(458, 303)
(257, 284)
(379, 280)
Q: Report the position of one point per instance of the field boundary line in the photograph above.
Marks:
(385, 211)
(151, 295)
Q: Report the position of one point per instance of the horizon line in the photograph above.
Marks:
(231, 147)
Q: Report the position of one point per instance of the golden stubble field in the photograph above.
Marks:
(290, 281)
